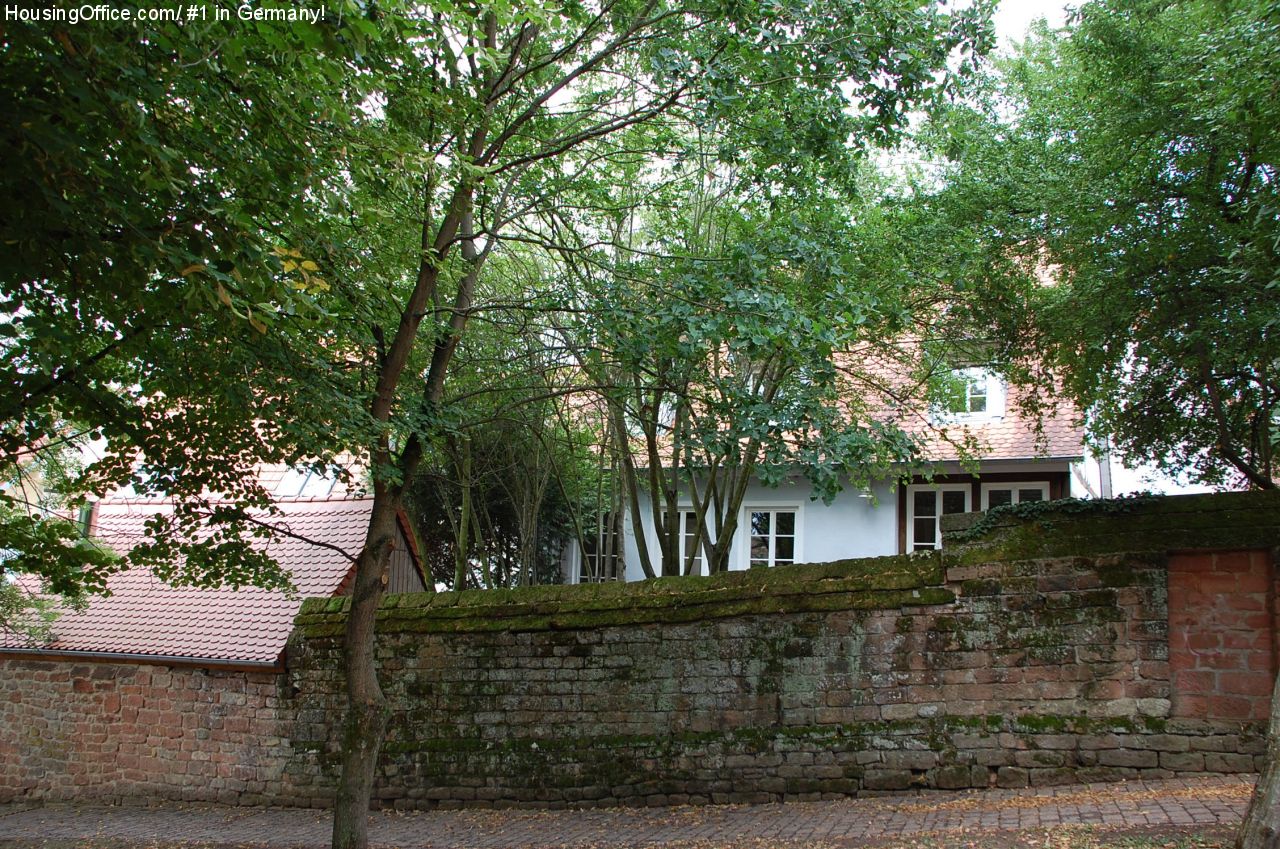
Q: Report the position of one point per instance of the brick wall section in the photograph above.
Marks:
(119, 732)
(1223, 631)
(1036, 653)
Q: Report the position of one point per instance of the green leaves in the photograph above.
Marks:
(216, 232)
(144, 297)
(1133, 161)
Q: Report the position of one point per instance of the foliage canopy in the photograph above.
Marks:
(1132, 160)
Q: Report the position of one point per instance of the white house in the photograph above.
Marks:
(786, 524)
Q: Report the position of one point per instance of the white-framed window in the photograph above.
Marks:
(305, 482)
(773, 536)
(999, 494)
(602, 555)
(972, 394)
(690, 541)
(926, 505)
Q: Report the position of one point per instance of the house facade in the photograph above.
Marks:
(1011, 460)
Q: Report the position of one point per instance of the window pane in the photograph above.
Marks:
(977, 403)
(784, 550)
(759, 548)
(760, 523)
(1036, 494)
(786, 523)
(925, 530)
(999, 497)
(953, 501)
(925, 502)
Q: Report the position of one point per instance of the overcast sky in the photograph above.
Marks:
(1013, 17)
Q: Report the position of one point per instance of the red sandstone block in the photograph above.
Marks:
(235, 725)
(1254, 582)
(1247, 641)
(1191, 705)
(1147, 689)
(1258, 621)
(1249, 601)
(1104, 690)
(1215, 660)
(1230, 707)
(1245, 683)
(1260, 661)
(1238, 561)
(1195, 682)
(1056, 690)
(1216, 583)
(1158, 670)
(1198, 641)
(1261, 711)
(1180, 658)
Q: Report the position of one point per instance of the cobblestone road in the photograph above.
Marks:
(1138, 805)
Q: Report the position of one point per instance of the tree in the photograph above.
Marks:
(1121, 179)
(504, 94)
(720, 367)
(755, 317)
(154, 296)
(36, 482)
(500, 491)
(1134, 159)
(280, 259)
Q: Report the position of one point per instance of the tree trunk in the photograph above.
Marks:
(367, 714)
(1261, 826)
(461, 552)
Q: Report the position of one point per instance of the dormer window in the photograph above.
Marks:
(973, 397)
(972, 393)
(305, 482)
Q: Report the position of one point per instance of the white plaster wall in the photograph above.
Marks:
(851, 526)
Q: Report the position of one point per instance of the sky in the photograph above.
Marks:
(1013, 17)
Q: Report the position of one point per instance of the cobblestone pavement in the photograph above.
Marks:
(1146, 806)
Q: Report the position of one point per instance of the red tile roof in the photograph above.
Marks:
(889, 380)
(1011, 436)
(144, 616)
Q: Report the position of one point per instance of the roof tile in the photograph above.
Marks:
(145, 616)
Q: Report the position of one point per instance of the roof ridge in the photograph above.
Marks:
(292, 499)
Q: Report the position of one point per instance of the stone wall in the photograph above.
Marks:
(118, 732)
(1035, 651)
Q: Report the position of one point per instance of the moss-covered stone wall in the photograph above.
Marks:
(1034, 651)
